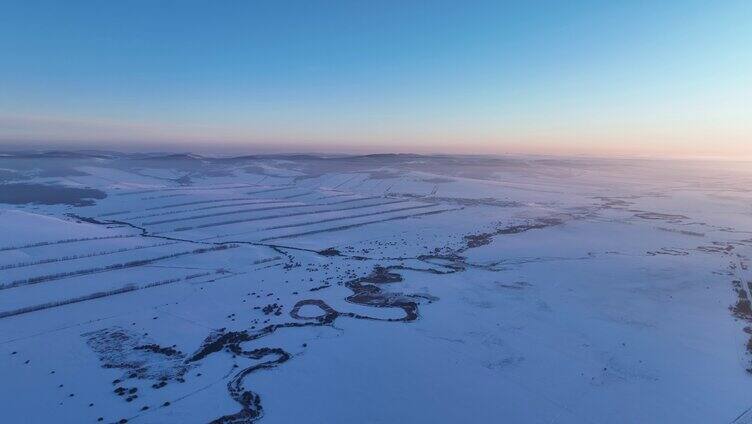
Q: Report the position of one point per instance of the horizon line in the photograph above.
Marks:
(11, 150)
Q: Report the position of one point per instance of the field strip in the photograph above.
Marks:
(255, 202)
(198, 202)
(22, 296)
(232, 212)
(335, 195)
(87, 255)
(340, 218)
(297, 195)
(65, 241)
(179, 267)
(98, 295)
(361, 224)
(261, 218)
(260, 201)
(268, 190)
(292, 205)
(130, 193)
(164, 196)
(113, 267)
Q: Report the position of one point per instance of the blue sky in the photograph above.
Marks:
(572, 77)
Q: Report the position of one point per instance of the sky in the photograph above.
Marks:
(614, 78)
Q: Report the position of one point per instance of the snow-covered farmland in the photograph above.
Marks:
(384, 288)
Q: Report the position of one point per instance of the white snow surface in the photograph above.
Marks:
(377, 289)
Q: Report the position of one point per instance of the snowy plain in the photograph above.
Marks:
(172, 288)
